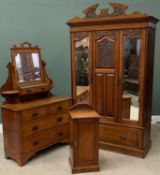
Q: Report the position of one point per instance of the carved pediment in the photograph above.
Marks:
(118, 11)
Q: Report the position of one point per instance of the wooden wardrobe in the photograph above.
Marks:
(112, 57)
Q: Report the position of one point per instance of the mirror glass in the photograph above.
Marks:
(131, 74)
(27, 67)
(36, 66)
(82, 70)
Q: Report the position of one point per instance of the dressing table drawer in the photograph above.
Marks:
(39, 140)
(44, 123)
(62, 118)
(61, 106)
(35, 126)
(34, 113)
(44, 138)
(63, 131)
(33, 90)
(123, 136)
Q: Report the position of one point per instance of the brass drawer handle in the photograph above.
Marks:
(75, 144)
(60, 133)
(29, 91)
(60, 108)
(34, 114)
(81, 99)
(35, 128)
(42, 89)
(35, 143)
(123, 136)
(59, 119)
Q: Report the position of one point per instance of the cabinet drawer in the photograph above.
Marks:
(119, 135)
(39, 140)
(34, 113)
(43, 123)
(59, 107)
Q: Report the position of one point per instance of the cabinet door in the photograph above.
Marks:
(86, 149)
(131, 75)
(105, 73)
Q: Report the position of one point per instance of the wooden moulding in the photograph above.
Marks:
(118, 15)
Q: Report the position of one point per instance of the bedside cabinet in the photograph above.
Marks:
(84, 126)
(33, 126)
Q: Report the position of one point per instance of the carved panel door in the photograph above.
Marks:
(105, 73)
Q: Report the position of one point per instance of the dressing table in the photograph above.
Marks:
(32, 117)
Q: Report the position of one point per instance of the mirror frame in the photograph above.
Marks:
(26, 47)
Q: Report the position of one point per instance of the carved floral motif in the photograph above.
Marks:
(105, 53)
(25, 45)
(110, 34)
(118, 10)
(133, 32)
(80, 35)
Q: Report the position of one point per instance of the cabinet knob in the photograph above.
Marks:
(123, 136)
(29, 91)
(75, 144)
(42, 89)
(81, 99)
(35, 143)
(60, 119)
(59, 108)
(34, 114)
(35, 128)
(60, 134)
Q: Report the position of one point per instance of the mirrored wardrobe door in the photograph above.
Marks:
(130, 75)
(81, 80)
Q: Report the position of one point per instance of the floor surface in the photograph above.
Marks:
(55, 161)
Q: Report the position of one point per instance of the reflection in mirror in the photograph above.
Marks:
(82, 70)
(19, 68)
(28, 69)
(23, 67)
(36, 65)
(131, 73)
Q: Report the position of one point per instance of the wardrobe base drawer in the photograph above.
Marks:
(119, 135)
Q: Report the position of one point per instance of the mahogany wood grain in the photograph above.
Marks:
(83, 139)
(106, 30)
(31, 127)
(109, 97)
(99, 92)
